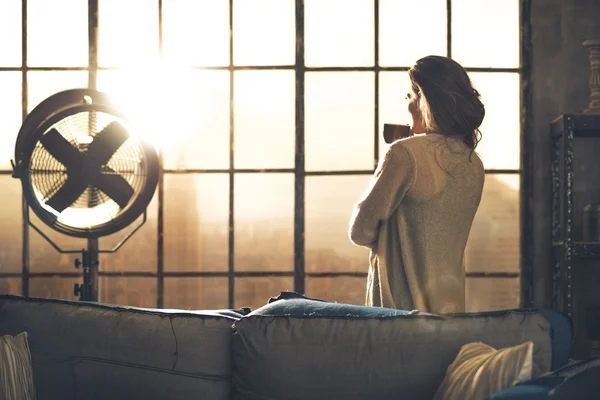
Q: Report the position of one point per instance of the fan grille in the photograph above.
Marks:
(48, 175)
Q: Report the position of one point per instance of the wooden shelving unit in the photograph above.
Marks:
(573, 258)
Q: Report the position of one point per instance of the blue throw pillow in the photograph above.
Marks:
(293, 304)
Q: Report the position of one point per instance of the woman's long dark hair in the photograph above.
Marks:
(449, 103)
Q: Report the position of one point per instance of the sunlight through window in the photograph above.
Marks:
(196, 32)
(339, 127)
(409, 30)
(184, 112)
(485, 33)
(264, 220)
(196, 215)
(127, 32)
(264, 119)
(500, 130)
(264, 32)
(10, 27)
(57, 33)
(10, 123)
(339, 33)
(328, 202)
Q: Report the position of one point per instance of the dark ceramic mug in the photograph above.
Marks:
(392, 132)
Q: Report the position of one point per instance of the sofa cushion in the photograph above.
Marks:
(89, 350)
(300, 348)
(294, 304)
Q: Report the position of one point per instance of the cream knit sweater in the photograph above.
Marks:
(416, 217)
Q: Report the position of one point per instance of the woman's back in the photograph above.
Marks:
(432, 225)
(416, 215)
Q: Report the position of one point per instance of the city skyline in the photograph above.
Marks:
(195, 242)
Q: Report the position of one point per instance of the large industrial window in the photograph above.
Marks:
(268, 114)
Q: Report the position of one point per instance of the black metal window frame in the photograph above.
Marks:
(298, 273)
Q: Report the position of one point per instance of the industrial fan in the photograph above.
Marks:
(84, 173)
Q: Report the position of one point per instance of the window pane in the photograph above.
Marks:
(393, 106)
(43, 84)
(264, 32)
(339, 120)
(399, 44)
(185, 113)
(11, 224)
(486, 33)
(139, 253)
(489, 294)
(329, 205)
(264, 222)
(10, 286)
(256, 292)
(196, 293)
(340, 289)
(127, 32)
(10, 123)
(264, 119)
(57, 33)
(494, 241)
(136, 292)
(196, 231)
(43, 257)
(53, 288)
(501, 129)
(339, 33)
(10, 27)
(196, 32)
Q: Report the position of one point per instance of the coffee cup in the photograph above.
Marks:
(393, 132)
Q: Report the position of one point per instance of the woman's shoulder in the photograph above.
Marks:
(433, 146)
(411, 144)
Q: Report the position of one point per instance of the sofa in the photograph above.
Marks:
(291, 348)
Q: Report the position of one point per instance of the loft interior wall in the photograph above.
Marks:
(559, 84)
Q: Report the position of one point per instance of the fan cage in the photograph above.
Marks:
(93, 214)
(47, 174)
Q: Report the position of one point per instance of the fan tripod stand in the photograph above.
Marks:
(88, 290)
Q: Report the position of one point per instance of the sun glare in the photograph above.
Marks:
(156, 101)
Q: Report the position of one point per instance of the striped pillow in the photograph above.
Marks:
(16, 373)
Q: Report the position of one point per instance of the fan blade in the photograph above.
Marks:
(115, 187)
(67, 194)
(61, 149)
(107, 142)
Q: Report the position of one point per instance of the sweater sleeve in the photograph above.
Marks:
(393, 178)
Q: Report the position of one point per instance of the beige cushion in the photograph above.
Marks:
(480, 370)
(16, 373)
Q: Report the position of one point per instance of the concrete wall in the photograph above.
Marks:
(559, 84)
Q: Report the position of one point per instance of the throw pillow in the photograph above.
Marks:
(16, 372)
(480, 370)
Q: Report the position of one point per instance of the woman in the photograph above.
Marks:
(418, 211)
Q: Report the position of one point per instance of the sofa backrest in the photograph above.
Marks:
(92, 351)
(300, 349)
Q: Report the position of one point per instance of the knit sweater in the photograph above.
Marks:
(415, 217)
